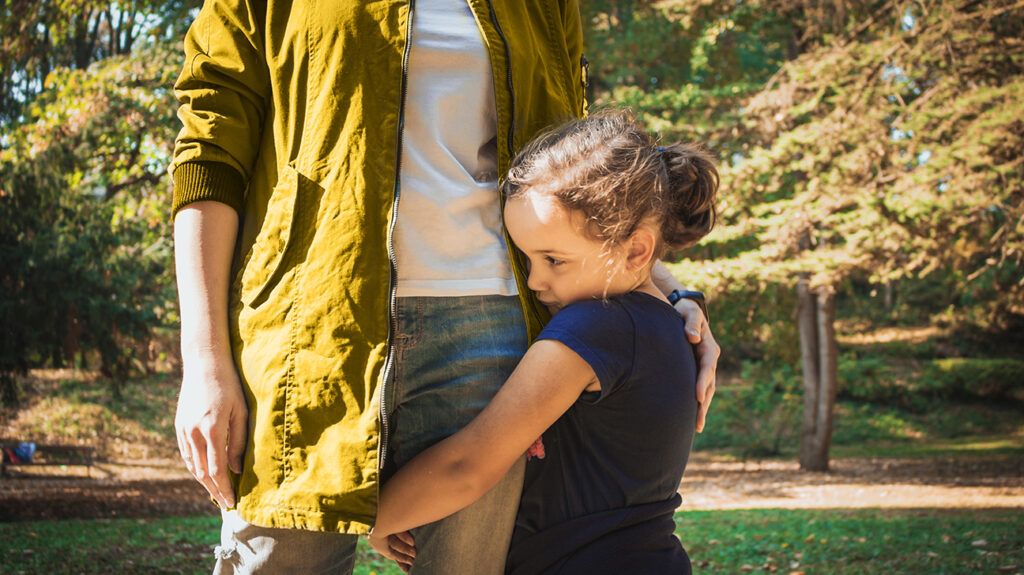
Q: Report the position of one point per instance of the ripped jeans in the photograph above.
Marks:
(452, 355)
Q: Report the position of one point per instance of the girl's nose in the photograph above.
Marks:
(535, 282)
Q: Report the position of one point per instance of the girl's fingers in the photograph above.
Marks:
(406, 536)
(402, 550)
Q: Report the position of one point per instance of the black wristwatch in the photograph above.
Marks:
(678, 294)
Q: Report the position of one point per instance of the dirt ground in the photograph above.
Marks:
(161, 488)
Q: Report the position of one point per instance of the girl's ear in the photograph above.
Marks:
(640, 249)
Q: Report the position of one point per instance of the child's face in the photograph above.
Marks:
(566, 265)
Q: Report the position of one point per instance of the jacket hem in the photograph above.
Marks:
(272, 516)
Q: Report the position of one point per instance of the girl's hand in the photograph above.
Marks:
(399, 547)
(698, 332)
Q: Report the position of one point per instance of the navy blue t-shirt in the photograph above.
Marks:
(602, 500)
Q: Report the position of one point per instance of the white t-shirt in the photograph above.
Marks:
(448, 235)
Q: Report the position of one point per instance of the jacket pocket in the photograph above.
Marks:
(263, 269)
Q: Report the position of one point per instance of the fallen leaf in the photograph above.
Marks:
(809, 538)
(946, 538)
(979, 543)
(746, 568)
(932, 554)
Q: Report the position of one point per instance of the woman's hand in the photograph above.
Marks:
(698, 332)
(399, 547)
(211, 424)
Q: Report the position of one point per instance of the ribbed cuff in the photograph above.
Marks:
(198, 181)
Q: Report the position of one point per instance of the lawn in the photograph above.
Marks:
(832, 542)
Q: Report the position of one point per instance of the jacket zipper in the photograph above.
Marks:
(392, 301)
(508, 78)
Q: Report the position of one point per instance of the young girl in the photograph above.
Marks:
(610, 382)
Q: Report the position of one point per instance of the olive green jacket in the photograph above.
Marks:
(292, 113)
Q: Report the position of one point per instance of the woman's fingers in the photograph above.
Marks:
(217, 465)
(694, 318)
(704, 405)
(708, 351)
(201, 465)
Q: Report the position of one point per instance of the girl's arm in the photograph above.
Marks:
(461, 469)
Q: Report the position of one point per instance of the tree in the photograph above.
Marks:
(85, 257)
(41, 36)
(889, 153)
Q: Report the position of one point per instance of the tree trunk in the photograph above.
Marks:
(827, 380)
(8, 389)
(806, 312)
(818, 351)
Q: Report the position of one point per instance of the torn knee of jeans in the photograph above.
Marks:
(223, 553)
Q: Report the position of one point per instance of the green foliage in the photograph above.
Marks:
(871, 153)
(982, 378)
(85, 257)
(41, 36)
(916, 383)
(760, 417)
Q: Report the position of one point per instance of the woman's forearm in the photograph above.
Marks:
(663, 279)
(204, 240)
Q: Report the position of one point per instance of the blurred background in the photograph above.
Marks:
(865, 280)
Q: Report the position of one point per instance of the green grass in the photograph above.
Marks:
(832, 542)
(838, 542)
(940, 428)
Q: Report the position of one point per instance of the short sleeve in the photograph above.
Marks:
(602, 334)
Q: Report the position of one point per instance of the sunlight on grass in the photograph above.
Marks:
(826, 542)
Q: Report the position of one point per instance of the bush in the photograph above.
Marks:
(981, 378)
(760, 416)
(915, 383)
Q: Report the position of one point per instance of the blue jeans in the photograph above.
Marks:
(452, 354)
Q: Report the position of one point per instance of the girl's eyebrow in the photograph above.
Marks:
(552, 253)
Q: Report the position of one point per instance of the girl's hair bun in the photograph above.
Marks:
(690, 194)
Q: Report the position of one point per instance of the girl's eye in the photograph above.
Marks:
(554, 262)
